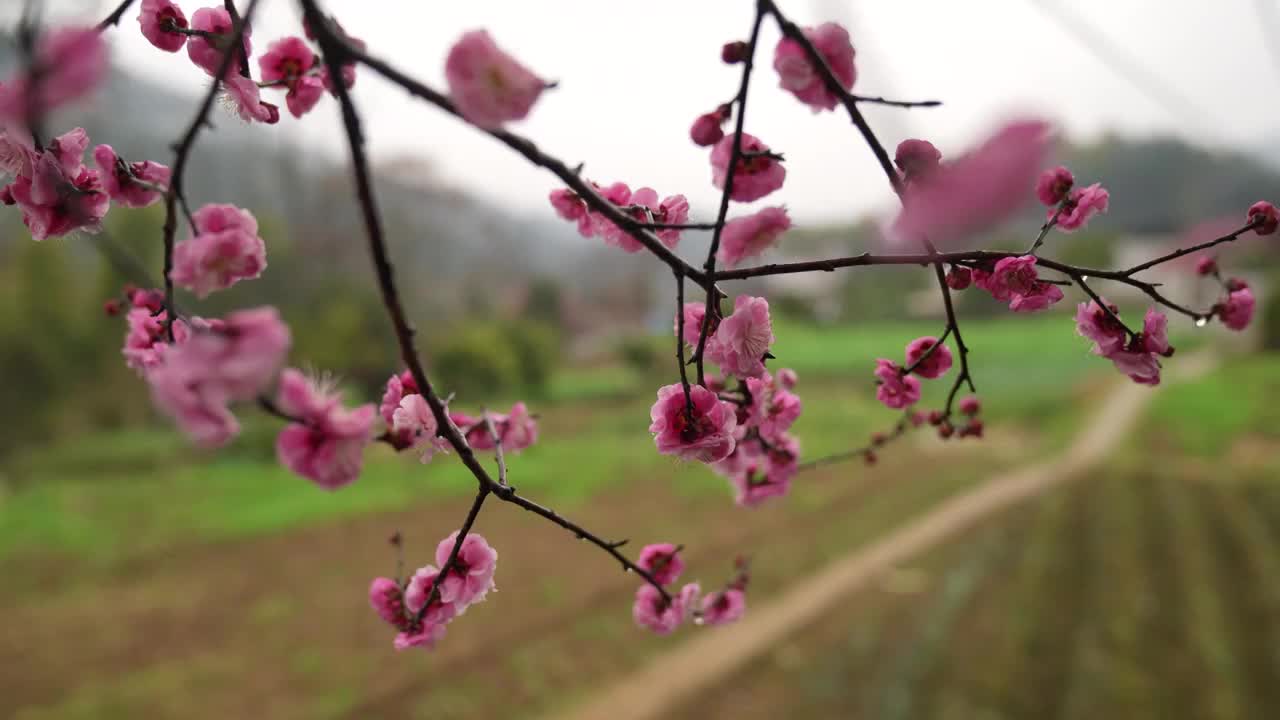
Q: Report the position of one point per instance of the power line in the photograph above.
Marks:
(1124, 64)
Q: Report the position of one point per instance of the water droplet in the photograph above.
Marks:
(699, 621)
(628, 569)
(1084, 278)
(1201, 322)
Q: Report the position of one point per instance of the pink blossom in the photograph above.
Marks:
(517, 429)
(757, 475)
(223, 361)
(1266, 215)
(1053, 185)
(55, 191)
(1206, 266)
(703, 433)
(146, 338)
(743, 339)
(568, 204)
(471, 576)
(757, 173)
(724, 607)
(207, 53)
(773, 408)
(787, 378)
(121, 179)
(1142, 367)
(398, 386)
(688, 600)
(1237, 309)
(750, 236)
(662, 561)
(673, 210)
(916, 159)
(707, 130)
(488, 86)
(246, 97)
(289, 61)
(70, 62)
(976, 191)
(694, 312)
(427, 630)
(935, 365)
(225, 250)
(1015, 279)
(1094, 323)
(654, 612)
(474, 430)
(327, 445)
(387, 600)
(798, 75)
(1155, 333)
(895, 389)
(1081, 205)
(959, 277)
(155, 18)
(414, 422)
(970, 405)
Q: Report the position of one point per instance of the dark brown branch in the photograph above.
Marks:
(684, 370)
(735, 156)
(241, 49)
(1188, 250)
(182, 153)
(452, 560)
(877, 100)
(335, 50)
(114, 17)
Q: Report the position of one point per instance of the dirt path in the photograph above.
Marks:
(715, 655)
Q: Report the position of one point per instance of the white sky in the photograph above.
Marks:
(634, 75)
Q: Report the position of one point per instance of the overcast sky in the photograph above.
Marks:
(633, 75)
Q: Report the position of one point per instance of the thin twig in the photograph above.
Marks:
(498, 457)
(114, 17)
(182, 153)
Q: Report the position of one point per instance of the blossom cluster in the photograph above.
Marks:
(662, 611)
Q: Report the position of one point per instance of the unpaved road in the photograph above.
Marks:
(716, 654)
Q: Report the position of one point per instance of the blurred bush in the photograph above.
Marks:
(484, 359)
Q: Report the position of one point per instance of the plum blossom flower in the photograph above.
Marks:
(798, 75)
(327, 443)
(134, 185)
(424, 631)
(976, 191)
(225, 250)
(774, 408)
(758, 171)
(245, 96)
(1236, 310)
(707, 129)
(207, 52)
(54, 189)
(750, 236)
(156, 18)
(414, 421)
(935, 365)
(970, 405)
(1207, 265)
(673, 210)
(146, 339)
(959, 277)
(289, 61)
(916, 159)
(895, 389)
(1081, 205)
(1053, 185)
(724, 607)
(1015, 280)
(654, 612)
(517, 429)
(70, 62)
(1096, 324)
(1266, 215)
(398, 387)
(471, 576)
(488, 86)
(387, 600)
(757, 475)
(742, 340)
(218, 363)
(703, 432)
(693, 313)
(787, 378)
(662, 561)
(568, 204)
